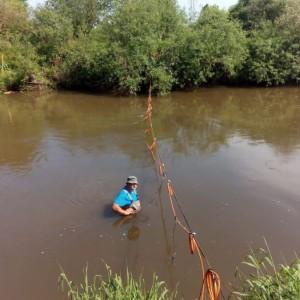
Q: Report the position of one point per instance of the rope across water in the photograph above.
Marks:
(210, 281)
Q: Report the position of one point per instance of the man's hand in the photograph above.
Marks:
(124, 212)
(127, 212)
(131, 211)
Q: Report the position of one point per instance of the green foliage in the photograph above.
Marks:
(214, 48)
(20, 61)
(127, 45)
(266, 282)
(289, 21)
(264, 65)
(251, 13)
(273, 60)
(84, 14)
(142, 36)
(51, 32)
(88, 64)
(13, 18)
(114, 287)
(273, 42)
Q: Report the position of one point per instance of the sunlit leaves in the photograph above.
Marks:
(214, 48)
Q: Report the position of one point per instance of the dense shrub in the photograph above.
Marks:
(214, 48)
(127, 45)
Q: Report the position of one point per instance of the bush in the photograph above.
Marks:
(20, 62)
(142, 37)
(268, 49)
(214, 48)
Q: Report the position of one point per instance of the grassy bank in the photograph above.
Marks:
(113, 287)
(260, 280)
(264, 280)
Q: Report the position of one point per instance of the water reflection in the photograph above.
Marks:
(133, 233)
(129, 224)
(203, 120)
(79, 148)
(21, 130)
(209, 118)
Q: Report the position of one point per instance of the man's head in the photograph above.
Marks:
(132, 182)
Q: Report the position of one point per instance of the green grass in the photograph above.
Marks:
(113, 287)
(262, 280)
(266, 281)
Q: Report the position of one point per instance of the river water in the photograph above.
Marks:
(233, 156)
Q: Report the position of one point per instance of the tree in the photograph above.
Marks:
(84, 14)
(264, 64)
(251, 13)
(213, 49)
(142, 36)
(13, 17)
(51, 32)
(288, 26)
(88, 64)
(19, 54)
(274, 45)
(271, 59)
(289, 21)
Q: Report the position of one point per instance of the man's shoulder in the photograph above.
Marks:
(122, 192)
(122, 195)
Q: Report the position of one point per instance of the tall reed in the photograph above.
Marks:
(113, 287)
(266, 281)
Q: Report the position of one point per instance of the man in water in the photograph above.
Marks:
(127, 201)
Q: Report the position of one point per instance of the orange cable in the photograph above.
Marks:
(211, 279)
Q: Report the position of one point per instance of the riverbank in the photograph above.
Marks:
(261, 280)
(126, 46)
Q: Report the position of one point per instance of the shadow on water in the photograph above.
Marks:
(107, 211)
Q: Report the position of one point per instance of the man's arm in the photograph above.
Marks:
(121, 211)
(137, 205)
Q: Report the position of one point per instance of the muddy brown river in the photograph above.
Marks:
(233, 156)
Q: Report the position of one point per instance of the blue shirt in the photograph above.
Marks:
(126, 197)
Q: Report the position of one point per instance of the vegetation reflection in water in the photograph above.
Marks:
(101, 138)
(205, 121)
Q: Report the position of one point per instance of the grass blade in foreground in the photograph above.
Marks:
(114, 287)
(265, 282)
